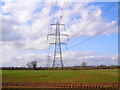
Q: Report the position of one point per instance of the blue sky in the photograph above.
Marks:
(106, 45)
(29, 27)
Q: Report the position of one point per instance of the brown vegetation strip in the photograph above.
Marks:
(57, 85)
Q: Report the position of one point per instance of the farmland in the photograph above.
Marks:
(60, 76)
(75, 76)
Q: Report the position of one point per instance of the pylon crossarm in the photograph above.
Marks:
(59, 24)
(57, 35)
(51, 43)
(60, 43)
(62, 25)
(50, 35)
(63, 34)
(63, 43)
(53, 24)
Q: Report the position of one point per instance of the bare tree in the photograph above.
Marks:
(32, 64)
(84, 64)
(29, 65)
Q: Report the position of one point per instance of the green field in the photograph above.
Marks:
(74, 76)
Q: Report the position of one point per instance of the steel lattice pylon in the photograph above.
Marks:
(57, 60)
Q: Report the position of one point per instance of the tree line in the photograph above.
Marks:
(64, 68)
(33, 66)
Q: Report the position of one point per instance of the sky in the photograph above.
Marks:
(25, 25)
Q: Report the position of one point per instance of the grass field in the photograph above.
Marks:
(74, 76)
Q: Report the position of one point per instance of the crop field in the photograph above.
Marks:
(49, 78)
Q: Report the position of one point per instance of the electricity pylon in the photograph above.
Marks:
(57, 60)
(48, 62)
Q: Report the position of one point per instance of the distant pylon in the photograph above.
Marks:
(57, 60)
(48, 62)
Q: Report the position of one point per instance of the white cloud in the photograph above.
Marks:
(20, 11)
(26, 25)
(90, 18)
(17, 29)
(69, 59)
(92, 58)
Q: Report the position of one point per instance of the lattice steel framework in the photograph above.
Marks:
(57, 60)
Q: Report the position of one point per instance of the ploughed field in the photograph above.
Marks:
(60, 78)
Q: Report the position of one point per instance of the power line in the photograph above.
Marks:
(50, 20)
(52, 4)
(50, 15)
(53, 10)
(63, 10)
(106, 29)
(57, 43)
(91, 23)
(93, 20)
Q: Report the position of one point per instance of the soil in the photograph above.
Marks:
(59, 85)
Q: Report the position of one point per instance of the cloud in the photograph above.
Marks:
(12, 59)
(17, 29)
(25, 26)
(10, 31)
(92, 58)
(69, 59)
(89, 18)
